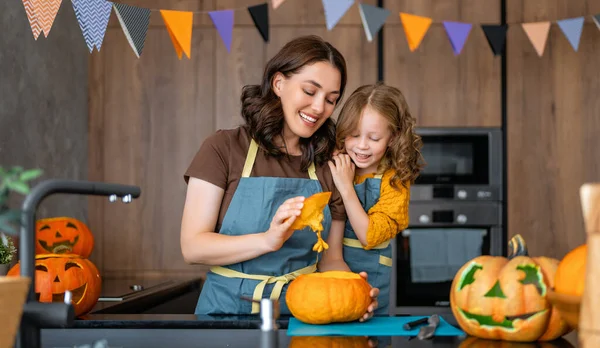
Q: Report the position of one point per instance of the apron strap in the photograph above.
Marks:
(355, 243)
(260, 287)
(251, 157)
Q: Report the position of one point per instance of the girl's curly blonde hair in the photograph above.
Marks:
(404, 151)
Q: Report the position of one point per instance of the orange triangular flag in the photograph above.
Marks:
(30, 7)
(276, 3)
(415, 28)
(538, 34)
(46, 12)
(179, 25)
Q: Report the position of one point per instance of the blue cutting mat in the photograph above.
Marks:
(376, 326)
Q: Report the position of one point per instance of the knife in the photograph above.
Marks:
(427, 331)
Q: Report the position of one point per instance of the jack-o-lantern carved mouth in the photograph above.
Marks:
(62, 247)
(76, 295)
(507, 323)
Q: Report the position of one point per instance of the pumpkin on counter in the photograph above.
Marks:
(329, 342)
(328, 297)
(475, 342)
(570, 275)
(63, 235)
(55, 274)
(500, 298)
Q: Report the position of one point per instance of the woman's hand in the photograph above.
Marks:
(371, 309)
(286, 214)
(342, 170)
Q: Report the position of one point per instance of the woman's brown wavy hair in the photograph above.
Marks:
(261, 108)
(404, 151)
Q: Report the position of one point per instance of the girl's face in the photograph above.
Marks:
(367, 144)
(308, 97)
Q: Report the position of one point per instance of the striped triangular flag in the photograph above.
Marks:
(45, 12)
(179, 25)
(134, 21)
(92, 16)
(30, 7)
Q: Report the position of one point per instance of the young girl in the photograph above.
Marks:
(379, 158)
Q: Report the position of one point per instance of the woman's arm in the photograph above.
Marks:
(201, 244)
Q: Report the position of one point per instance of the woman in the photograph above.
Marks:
(248, 184)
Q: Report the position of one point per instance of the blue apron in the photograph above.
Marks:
(252, 207)
(377, 262)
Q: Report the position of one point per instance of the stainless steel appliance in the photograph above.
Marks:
(455, 214)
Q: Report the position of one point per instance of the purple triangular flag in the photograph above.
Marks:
(223, 21)
(572, 28)
(458, 33)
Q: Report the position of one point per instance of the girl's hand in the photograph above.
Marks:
(279, 231)
(374, 294)
(343, 172)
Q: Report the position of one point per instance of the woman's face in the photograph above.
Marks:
(367, 144)
(308, 97)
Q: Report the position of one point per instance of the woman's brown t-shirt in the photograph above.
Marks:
(221, 158)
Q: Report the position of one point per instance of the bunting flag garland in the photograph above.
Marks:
(335, 10)
(260, 17)
(30, 7)
(134, 21)
(537, 33)
(415, 28)
(276, 3)
(458, 33)
(496, 35)
(92, 16)
(179, 25)
(572, 28)
(223, 21)
(596, 19)
(46, 13)
(373, 18)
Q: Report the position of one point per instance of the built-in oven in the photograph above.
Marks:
(455, 214)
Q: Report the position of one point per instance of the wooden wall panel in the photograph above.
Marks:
(150, 115)
(444, 90)
(553, 126)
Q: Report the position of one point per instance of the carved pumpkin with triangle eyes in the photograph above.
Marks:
(505, 298)
(63, 235)
(56, 274)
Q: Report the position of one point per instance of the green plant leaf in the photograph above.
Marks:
(30, 174)
(15, 170)
(18, 186)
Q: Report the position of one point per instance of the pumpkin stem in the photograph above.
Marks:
(517, 247)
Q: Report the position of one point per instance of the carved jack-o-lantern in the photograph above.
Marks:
(505, 298)
(56, 274)
(63, 235)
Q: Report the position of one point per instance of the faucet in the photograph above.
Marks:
(37, 315)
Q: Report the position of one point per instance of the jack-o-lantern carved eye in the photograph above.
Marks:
(41, 268)
(533, 275)
(469, 275)
(70, 265)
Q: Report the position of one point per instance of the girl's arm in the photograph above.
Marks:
(333, 258)
(201, 244)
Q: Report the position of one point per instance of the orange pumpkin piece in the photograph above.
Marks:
(312, 215)
(63, 235)
(498, 298)
(329, 342)
(328, 297)
(570, 275)
(55, 274)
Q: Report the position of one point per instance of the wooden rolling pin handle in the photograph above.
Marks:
(589, 319)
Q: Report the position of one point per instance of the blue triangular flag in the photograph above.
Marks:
(335, 10)
(373, 18)
(572, 28)
(92, 16)
(134, 21)
(223, 21)
(457, 34)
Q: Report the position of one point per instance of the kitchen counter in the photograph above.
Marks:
(161, 315)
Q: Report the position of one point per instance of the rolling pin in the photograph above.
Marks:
(589, 317)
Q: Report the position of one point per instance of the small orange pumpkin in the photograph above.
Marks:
(312, 215)
(329, 342)
(55, 274)
(570, 275)
(63, 235)
(505, 299)
(328, 297)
